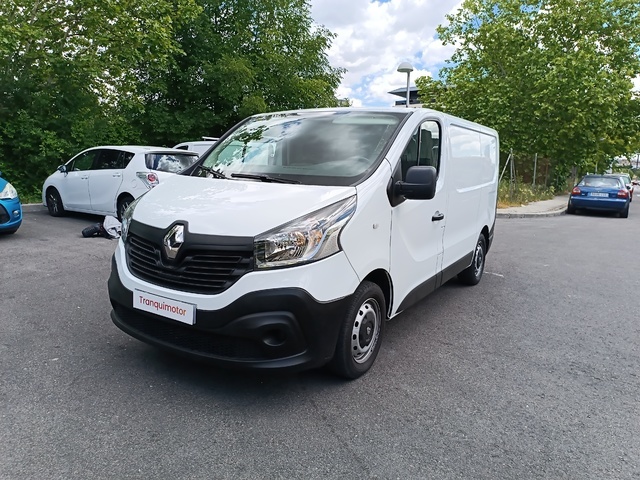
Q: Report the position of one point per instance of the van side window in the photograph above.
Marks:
(430, 145)
(423, 148)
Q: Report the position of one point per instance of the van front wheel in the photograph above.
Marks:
(473, 273)
(361, 332)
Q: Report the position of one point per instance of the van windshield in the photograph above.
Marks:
(314, 148)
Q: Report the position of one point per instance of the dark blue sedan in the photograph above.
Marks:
(600, 192)
(10, 207)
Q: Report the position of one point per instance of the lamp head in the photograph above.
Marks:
(405, 67)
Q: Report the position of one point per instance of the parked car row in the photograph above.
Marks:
(198, 146)
(105, 180)
(607, 192)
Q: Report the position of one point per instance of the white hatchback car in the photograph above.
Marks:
(198, 146)
(105, 180)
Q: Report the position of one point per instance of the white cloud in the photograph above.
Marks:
(373, 37)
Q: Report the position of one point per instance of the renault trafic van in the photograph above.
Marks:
(295, 238)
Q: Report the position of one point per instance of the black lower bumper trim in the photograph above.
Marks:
(282, 328)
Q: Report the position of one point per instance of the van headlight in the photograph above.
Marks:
(126, 218)
(306, 239)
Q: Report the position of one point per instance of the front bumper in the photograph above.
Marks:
(281, 328)
(10, 214)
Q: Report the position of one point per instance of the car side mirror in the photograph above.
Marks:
(628, 186)
(420, 183)
(62, 169)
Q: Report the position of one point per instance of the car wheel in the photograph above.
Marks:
(361, 332)
(123, 204)
(571, 210)
(8, 232)
(54, 203)
(625, 213)
(473, 273)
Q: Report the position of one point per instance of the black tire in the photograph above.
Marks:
(473, 273)
(123, 203)
(571, 210)
(625, 212)
(54, 203)
(361, 332)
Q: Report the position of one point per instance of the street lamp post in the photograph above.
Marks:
(406, 67)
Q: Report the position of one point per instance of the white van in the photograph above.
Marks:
(301, 232)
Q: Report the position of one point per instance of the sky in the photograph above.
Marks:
(374, 37)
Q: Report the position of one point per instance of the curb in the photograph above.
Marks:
(552, 213)
(33, 207)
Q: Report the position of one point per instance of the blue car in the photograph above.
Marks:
(10, 207)
(600, 192)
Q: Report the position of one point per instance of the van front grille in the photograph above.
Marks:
(209, 270)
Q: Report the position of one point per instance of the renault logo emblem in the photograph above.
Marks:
(173, 241)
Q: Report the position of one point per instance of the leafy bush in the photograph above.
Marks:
(521, 194)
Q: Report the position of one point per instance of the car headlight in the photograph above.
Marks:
(306, 239)
(8, 192)
(126, 218)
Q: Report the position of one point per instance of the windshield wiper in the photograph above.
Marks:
(213, 172)
(263, 178)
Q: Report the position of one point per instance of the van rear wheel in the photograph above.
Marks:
(473, 273)
(361, 332)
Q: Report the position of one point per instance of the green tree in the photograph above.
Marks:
(554, 77)
(66, 66)
(238, 58)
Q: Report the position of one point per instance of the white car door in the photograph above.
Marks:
(105, 180)
(417, 226)
(74, 184)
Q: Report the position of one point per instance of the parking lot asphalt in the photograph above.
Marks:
(532, 374)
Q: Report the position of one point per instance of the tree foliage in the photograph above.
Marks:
(240, 58)
(553, 77)
(81, 73)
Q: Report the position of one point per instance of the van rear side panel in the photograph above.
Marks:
(472, 176)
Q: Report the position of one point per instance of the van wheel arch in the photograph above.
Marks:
(382, 278)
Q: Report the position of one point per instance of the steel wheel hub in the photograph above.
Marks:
(366, 330)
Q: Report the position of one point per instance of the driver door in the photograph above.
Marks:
(74, 187)
(417, 231)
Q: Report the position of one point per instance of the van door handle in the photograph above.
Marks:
(437, 217)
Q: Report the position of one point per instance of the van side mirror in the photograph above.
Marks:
(419, 185)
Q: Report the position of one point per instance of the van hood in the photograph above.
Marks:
(241, 208)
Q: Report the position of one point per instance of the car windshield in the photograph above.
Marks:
(170, 162)
(603, 182)
(314, 148)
